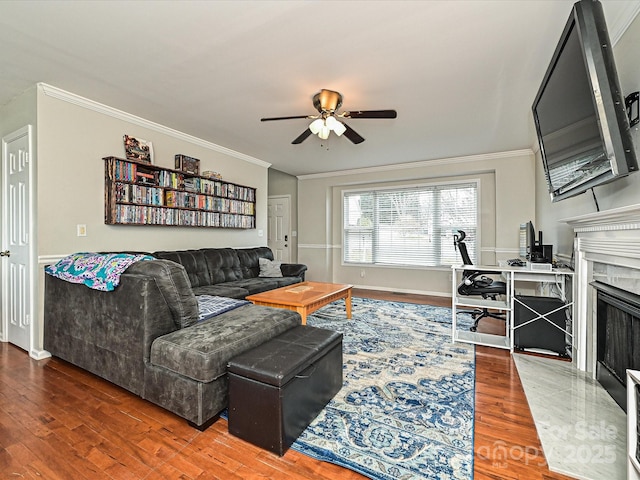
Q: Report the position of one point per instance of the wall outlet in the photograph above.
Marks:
(362, 273)
(260, 233)
(81, 230)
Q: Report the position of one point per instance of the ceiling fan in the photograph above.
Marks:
(327, 102)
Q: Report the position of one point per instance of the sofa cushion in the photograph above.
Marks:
(201, 352)
(193, 262)
(269, 268)
(284, 281)
(250, 260)
(221, 290)
(173, 283)
(223, 265)
(255, 285)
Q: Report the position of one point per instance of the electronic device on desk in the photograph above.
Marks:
(537, 252)
(516, 262)
(540, 267)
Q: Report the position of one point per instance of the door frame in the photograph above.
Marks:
(34, 327)
(288, 197)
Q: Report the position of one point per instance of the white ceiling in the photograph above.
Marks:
(461, 74)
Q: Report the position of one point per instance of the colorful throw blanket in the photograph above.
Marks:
(209, 306)
(95, 270)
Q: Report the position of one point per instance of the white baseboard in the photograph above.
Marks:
(403, 290)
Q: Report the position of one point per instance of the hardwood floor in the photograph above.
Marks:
(60, 422)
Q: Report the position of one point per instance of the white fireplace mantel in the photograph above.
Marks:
(623, 218)
(609, 238)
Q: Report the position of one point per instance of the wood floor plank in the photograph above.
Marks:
(60, 422)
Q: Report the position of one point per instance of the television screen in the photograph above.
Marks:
(579, 111)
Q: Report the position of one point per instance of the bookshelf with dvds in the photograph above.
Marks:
(139, 193)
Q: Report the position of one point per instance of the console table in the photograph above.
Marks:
(551, 283)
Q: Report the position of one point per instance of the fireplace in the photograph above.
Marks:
(617, 338)
(606, 249)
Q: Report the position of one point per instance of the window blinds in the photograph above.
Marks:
(409, 226)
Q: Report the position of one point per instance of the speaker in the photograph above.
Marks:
(542, 254)
(540, 333)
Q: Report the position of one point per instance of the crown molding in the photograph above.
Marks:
(92, 105)
(621, 23)
(420, 164)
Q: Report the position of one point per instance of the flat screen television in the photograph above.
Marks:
(579, 111)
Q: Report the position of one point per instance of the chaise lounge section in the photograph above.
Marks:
(146, 335)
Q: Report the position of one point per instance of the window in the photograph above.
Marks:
(411, 226)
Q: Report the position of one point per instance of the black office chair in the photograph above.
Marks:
(475, 282)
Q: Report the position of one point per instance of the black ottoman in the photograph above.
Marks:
(279, 387)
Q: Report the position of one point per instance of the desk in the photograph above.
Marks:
(554, 281)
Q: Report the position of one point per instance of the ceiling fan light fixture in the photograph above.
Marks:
(316, 126)
(324, 132)
(327, 103)
(339, 128)
(331, 122)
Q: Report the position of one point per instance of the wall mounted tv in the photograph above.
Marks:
(579, 111)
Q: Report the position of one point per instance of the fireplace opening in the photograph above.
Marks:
(617, 340)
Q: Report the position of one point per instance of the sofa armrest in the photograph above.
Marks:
(293, 270)
(173, 282)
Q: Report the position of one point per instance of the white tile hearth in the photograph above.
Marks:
(581, 428)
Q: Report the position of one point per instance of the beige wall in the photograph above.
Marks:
(622, 192)
(72, 141)
(19, 112)
(505, 204)
(281, 183)
(71, 136)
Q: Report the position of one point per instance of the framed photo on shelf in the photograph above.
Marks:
(187, 164)
(138, 149)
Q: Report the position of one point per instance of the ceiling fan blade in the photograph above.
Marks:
(352, 135)
(285, 118)
(371, 114)
(303, 136)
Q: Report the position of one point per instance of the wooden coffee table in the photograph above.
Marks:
(305, 297)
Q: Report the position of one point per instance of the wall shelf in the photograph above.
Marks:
(138, 193)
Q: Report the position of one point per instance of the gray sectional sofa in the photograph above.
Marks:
(230, 272)
(145, 335)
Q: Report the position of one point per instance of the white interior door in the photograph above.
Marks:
(16, 238)
(279, 227)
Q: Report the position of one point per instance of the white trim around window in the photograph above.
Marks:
(409, 226)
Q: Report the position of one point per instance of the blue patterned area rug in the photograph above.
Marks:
(406, 408)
